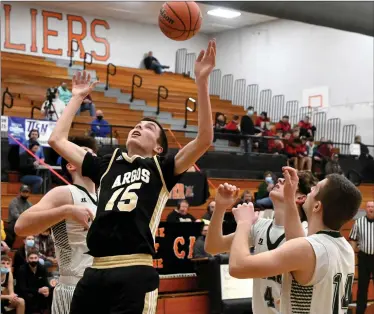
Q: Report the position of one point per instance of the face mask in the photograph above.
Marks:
(99, 118)
(269, 180)
(4, 270)
(24, 197)
(250, 112)
(33, 263)
(30, 243)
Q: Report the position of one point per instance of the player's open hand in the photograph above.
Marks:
(291, 184)
(81, 215)
(82, 85)
(245, 213)
(206, 61)
(226, 195)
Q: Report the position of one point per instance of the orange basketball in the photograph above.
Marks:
(180, 20)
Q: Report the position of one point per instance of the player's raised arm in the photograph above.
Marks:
(216, 242)
(54, 207)
(189, 154)
(293, 256)
(59, 137)
(292, 224)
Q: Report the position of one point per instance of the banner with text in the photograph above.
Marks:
(174, 247)
(20, 129)
(193, 187)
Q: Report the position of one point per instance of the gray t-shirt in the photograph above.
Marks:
(16, 207)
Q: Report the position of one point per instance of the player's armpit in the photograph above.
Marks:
(51, 209)
(293, 256)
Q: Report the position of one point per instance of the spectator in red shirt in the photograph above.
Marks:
(87, 104)
(262, 121)
(284, 124)
(305, 162)
(306, 128)
(233, 127)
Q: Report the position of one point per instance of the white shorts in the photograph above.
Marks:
(62, 296)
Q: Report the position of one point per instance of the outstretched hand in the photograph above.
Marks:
(291, 184)
(206, 61)
(245, 213)
(226, 195)
(82, 85)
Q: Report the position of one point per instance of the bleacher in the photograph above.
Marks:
(28, 77)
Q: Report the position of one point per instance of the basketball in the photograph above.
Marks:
(180, 20)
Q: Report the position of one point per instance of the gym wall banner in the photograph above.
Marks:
(193, 186)
(174, 247)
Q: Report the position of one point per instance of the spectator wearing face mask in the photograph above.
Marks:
(20, 257)
(87, 104)
(16, 207)
(32, 280)
(45, 246)
(9, 300)
(99, 126)
(263, 191)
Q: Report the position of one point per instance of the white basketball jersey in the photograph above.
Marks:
(330, 289)
(70, 237)
(267, 236)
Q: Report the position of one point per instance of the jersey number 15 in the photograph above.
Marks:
(128, 199)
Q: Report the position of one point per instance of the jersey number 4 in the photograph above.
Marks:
(268, 296)
(128, 199)
(347, 292)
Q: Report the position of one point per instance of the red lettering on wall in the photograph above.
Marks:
(7, 43)
(77, 37)
(49, 32)
(179, 254)
(190, 248)
(94, 23)
(33, 13)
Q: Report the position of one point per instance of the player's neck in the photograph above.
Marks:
(138, 151)
(278, 213)
(85, 183)
(315, 225)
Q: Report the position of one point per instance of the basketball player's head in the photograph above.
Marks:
(147, 139)
(306, 181)
(88, 144)
(333, 201)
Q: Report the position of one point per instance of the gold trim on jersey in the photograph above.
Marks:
(132, 158)
(110, 165)
(122, 261)
(160, 171)
(150, 302)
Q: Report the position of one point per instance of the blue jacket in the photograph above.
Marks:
(100, 128)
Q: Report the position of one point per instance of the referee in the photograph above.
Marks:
(362, 234)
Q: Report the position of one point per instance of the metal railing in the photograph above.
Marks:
(159, 96)
(3, 103)
(73, 50)
(333, 129)
(227, 85)
(215, 82)
(188, 109)
(190, 65)
(33, 109)
(86, 54)
(319, 121)
(239, 92)
(277, 107)
(292, 107)
(265, 101)
(180, 61)
(251, 96)
(133, 84)
(109, 71)
(348, 136)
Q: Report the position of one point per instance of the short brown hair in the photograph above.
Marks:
(306, 181)
(33, 252)
(5, 258)
(340, 199)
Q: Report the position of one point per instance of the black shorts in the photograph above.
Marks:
(120, 290)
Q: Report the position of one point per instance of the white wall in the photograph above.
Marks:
(288, 57)
(128, 41)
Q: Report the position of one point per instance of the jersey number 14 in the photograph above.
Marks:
(347, 292)
(128, 199)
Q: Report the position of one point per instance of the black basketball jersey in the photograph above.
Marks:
(132, 194)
